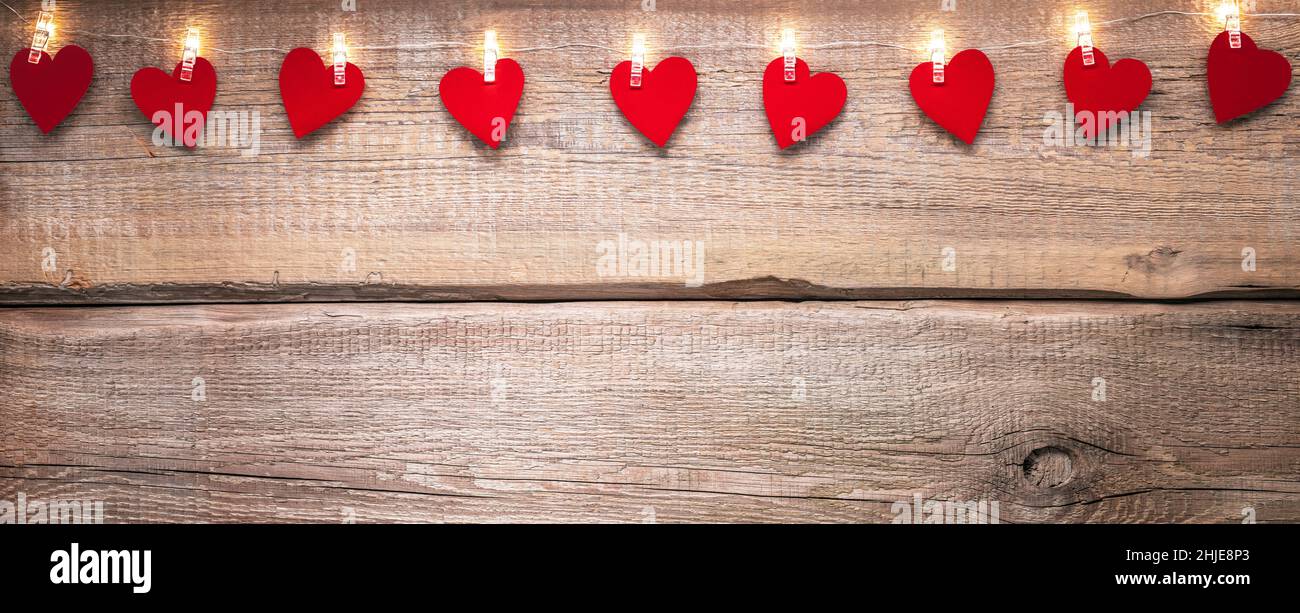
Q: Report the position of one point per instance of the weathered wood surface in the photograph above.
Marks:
(95, 212)
(671, 412)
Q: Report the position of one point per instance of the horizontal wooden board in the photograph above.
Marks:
(629, 412)
(395, 201)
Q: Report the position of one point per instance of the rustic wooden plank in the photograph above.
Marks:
(666, 411)
(97, 213)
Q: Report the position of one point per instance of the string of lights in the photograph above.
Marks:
(842, 44)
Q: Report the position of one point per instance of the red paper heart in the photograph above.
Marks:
(1102, 89)
(478, 105)
(1244, 80)
(155, 92)
(50, 90)
(817, 100)
(658, 106)
(311, 99)
(961, 101)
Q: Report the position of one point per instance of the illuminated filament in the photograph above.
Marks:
(938, 55)
(41, 40)
(1083, 28)
(191, 55)
(340, 60)
(1231, 12)
(638, 60)
(787, 49)
(491, 51)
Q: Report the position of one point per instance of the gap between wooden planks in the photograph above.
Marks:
(655, 411)
(396, 202)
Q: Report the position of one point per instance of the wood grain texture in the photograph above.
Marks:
(646, 411)
(863, 210)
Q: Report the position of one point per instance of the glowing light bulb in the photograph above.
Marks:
(1228, 9)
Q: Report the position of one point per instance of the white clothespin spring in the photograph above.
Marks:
(791, 60)
(41, 40)
(638, 60)
(1083, 28)
(340, 60)
(1231, 12)
(491, 51)
(190, 56)
(938, 55)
